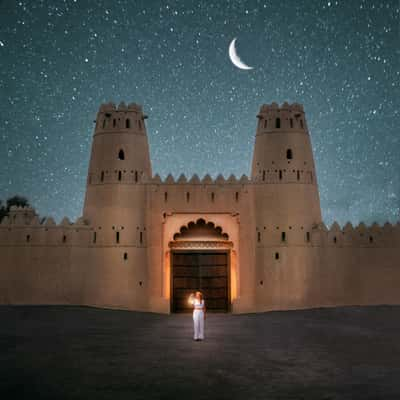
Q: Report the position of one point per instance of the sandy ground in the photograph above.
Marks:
(55, 352)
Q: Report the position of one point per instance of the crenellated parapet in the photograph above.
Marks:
(122, 118)
(195, 180)
(375, 235)
(289, 234)
(273, 118)
(194, 194)
(42, 232)
(20, 215)
(110, 107)
(126, 176)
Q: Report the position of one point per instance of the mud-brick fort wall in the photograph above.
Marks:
(118, 254)
(328, 267)
(41, 262)
(44, 263)
(69, 263)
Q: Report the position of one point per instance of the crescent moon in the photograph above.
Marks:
(235, 58)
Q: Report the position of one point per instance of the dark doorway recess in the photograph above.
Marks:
(207, 271)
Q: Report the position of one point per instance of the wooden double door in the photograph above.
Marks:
(206, 271)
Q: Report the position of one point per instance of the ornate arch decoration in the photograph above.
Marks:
(200, 234)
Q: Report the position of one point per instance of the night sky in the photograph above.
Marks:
(59, 60)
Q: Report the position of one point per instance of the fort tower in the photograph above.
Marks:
(286, 204)
(115, 204)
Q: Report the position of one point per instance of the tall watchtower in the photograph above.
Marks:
(115, 205)
(283, 168)
(119, 162)
(285, 208)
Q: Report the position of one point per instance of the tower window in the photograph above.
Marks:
(280, 174)
(165, 197)
(141, 237)
(28, 238)
(264, 175)
(125, 256)
(212, 196)
(283, 236)
(117, 237)
(258, 236)
(289, 154)
(237, 196)
(121, 155)
(301, 123)
(278, 123)
(371, 239)
(64, 239)
(187, 196)
(119, 175)
(114, 122)
(298, 175)
(94, 237)
(276, 256)
(334, 239)
(308, 236)
(102, 176)
(127, 123)
(291, 122)
(265, 123)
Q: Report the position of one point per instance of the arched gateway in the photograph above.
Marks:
(200, 260)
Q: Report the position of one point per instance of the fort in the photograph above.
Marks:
(251, 244)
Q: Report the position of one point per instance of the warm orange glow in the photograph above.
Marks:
(167, 275)
(233, 276)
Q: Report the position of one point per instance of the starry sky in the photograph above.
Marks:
(59, 60)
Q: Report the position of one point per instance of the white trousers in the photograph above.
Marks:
(198, 322)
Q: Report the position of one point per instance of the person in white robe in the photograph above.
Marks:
(199, 315)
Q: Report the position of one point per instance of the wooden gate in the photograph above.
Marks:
(206, 271)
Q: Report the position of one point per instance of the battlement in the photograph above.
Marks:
(18, 214)
(195, 180)
(44, 231)
(121, 118)
(288, 118)
(289, 234)
(21, 214)
(386, 235)
(295, 107)
(110, 107)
